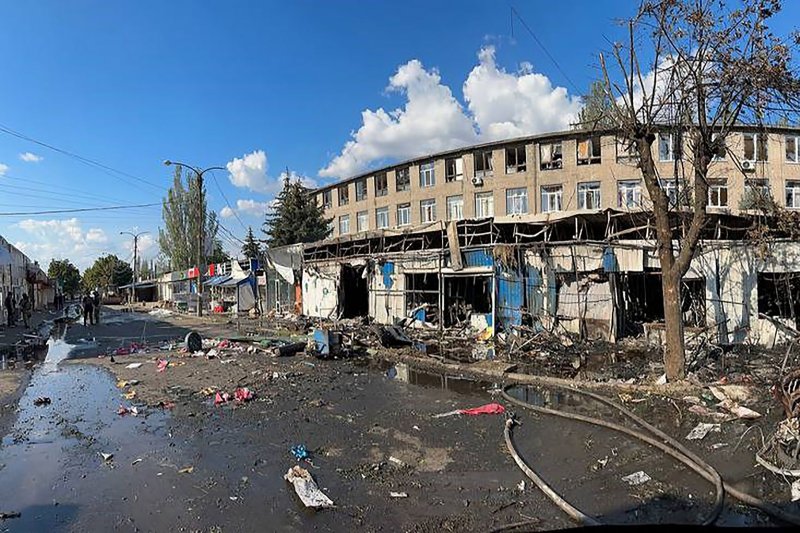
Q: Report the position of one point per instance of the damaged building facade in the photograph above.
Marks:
(554, 232)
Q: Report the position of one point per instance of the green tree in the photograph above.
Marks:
(107, 273)
(251, 248)
(297, 217)
(179, 237)
(597, 108)
(67, 274)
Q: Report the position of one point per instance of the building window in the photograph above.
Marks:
(589, 195)
(483, 163)
(626, 151)
(755, 147)
(344, 195)
(793, 194)
(484, 204)
(516, 159)
(589, 151)
(550, 156)
(718, 193)
(455, 207)
(670, 188)
(454, 169)
(344, 224)
(331, 228)
(381, 184)
(667, 147)
(327, 199)
(720, 148)
(404, 214)
(517, 201)
(551, 198)
(792, 145)
(382, 217)
(427, 210)
(361, 221)
(427, 177)
(629, 193)
(361, 189)
(756, 194)
(402, 179)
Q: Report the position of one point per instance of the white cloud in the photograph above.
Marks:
(431, 120)
(499, 105)
(62, 238)
(506, 104)
(226, 212)
(3, 169)
(251, 207)
(30, 157)
(250, 172)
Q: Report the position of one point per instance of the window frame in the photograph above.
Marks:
(404, 184)
(517, 167)
(381, 191)
(513, 199)
(632, 185)
(342, 219)
(485, 156)
(714, 188)
(359, 218)
(478, 198)
(427, 170)
(456, 163)
(430, 205)
(796, 141)
(549, 192)
(594, 141)
(673, 154)
(626, 153)
(555, 159)
(360, 183)
(344, 194)
(448, 205)
(327, 199)
(760, 140)
(405, 208)
(381, 211)
(795, 189)
(587, 189)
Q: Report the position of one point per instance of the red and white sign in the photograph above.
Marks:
(193, 272)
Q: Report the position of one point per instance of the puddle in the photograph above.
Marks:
(402, 372)
(545, 397)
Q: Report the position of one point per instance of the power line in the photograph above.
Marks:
(81, 210)
(214, 175)
(542, 46)
(82, 159)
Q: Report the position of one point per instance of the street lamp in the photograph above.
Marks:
(201, 218)
(135, 250)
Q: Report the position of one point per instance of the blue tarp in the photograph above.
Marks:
(215, 281)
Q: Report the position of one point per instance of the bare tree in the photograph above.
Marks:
(692, 71)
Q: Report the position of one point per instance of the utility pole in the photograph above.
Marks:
(135, 254)
(201, 218)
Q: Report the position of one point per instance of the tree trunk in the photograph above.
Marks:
(673, 327)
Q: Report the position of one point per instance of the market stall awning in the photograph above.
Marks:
(216, 281)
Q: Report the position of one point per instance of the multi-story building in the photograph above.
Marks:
(565, 171)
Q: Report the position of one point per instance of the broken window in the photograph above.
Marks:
(517, 201)
(361, 189)
(381, 184)
(402, 179)
(668, 147)
(465, 295)
(589, 195)
(382, 217)
(629, 193)
(327, 199)
(353, 293)
(483, 163)
(344, 195)
(676, 192)
(757, 194)
(455, 207)
(792, 145)
(454, 169)
(484, 204)
(626, 151)
(516, 159)
(718, 193)
(427, 176)
(422, 296)
(404, 214)
(720, 147)
(693, 302)
(793, 194)
(427, 210)
(551, 198)
(589, 151)
(361, 221)
(344, 224)
(779, 294)
(550, 156)
(755, 146)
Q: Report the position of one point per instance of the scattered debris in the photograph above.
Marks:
(136, 462)
(129, 395)
(162, 365)
(398, 494)
(306, 488)
(488, 409)
(133, 366)
(41, 400)
(701, 430)
(243, 395)
(289, 350)
(107, 457)
(221, 398)
(160, 312)
(637, 478)
(396, 461)
(300, 452)
(521, 486)
(186, 470)
(193, 342)
(739, 410)
(11, 514)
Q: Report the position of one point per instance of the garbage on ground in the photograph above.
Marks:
(133, 366)
(162, 365)
(106, 456)
(221, 398)
(306, 488)
(160, 312)
(242, 394)
(187, 470)
(208, 391)
(289, 350)
(396, 461)
(10, 514)
(129, 395)
(398, 494)
(193, 342)
(637, 478)
(488, 409)
(521, 486)
(122, 411)
(300, 452)
(701, 430)
(42, 400)
(165, 404)
(136, 462)
(738, 410)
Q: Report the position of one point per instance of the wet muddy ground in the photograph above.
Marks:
(370, 428)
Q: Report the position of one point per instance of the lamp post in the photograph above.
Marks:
(135, 251)
(201, 219)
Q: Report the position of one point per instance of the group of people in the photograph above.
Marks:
(22, 308)
(91, 307)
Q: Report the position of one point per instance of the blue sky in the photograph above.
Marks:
(130, 84)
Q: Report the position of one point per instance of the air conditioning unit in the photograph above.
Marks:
(477, 181)
(748, 165)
